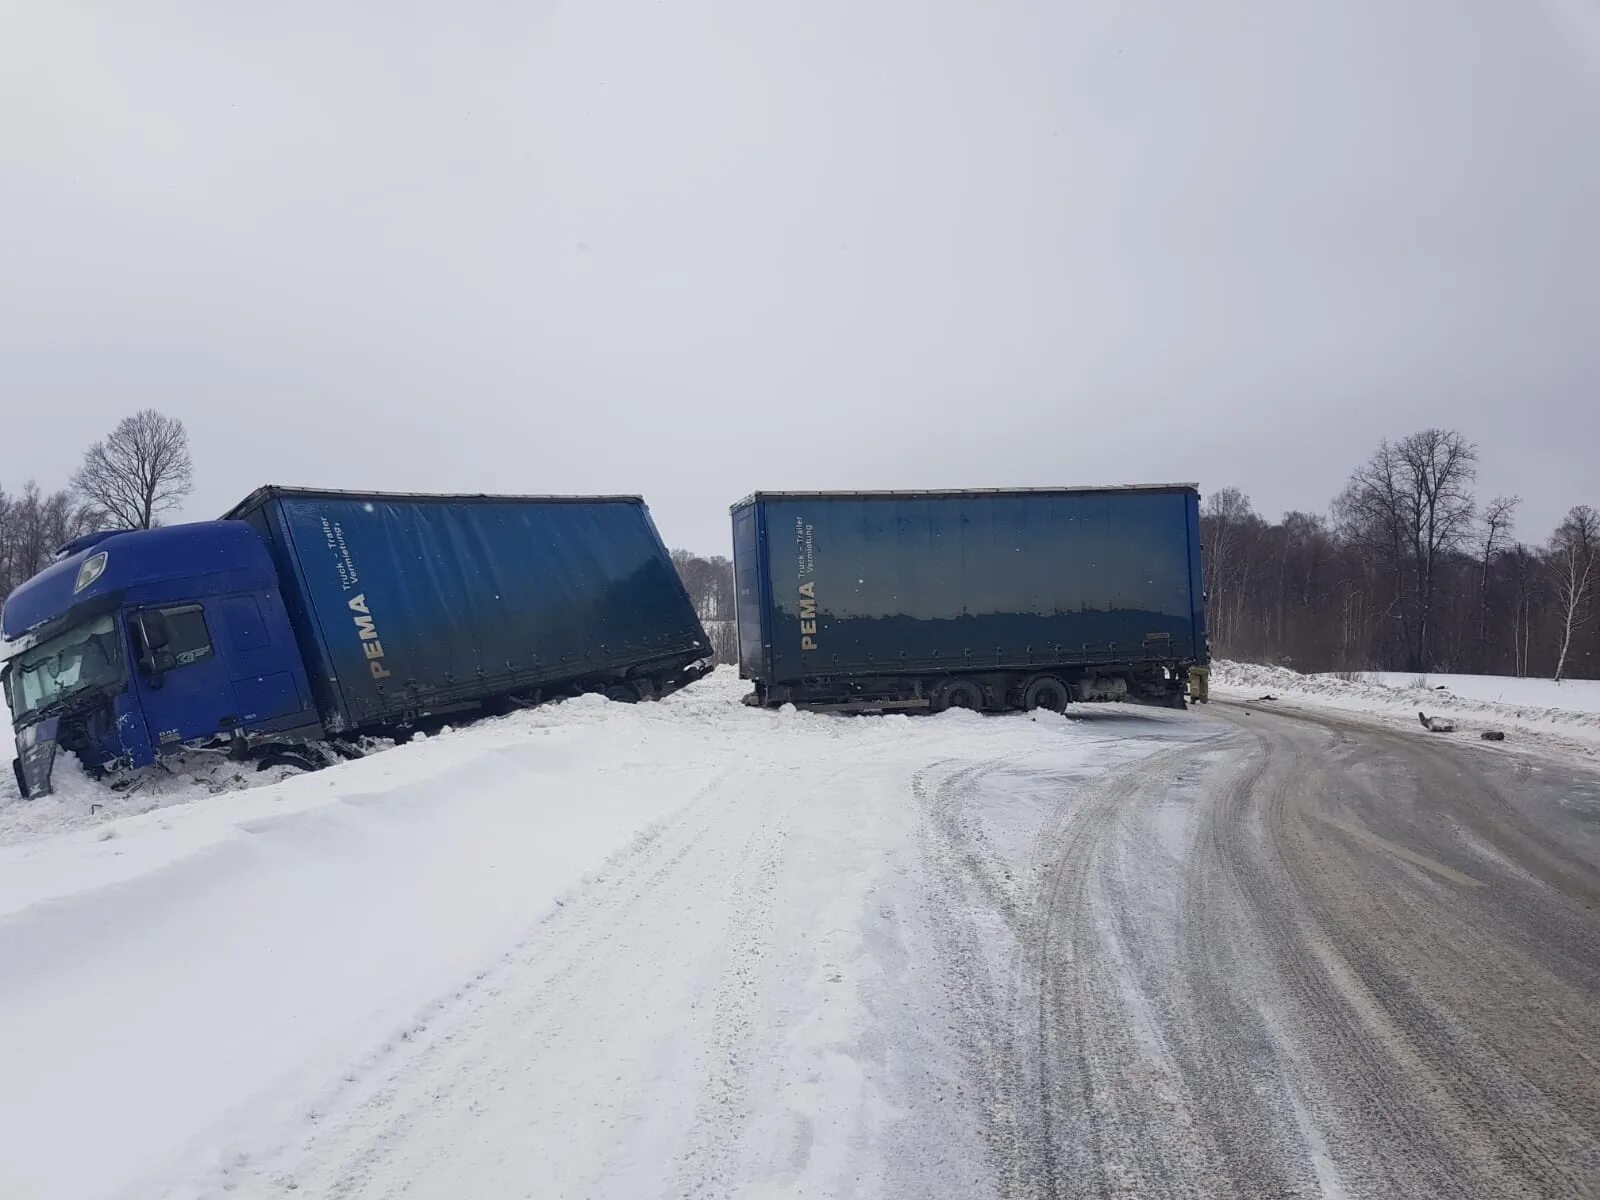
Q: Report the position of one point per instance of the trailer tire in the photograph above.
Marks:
(1047, 692)
(298, 759)
(958, 693)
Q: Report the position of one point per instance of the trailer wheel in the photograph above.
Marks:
(1046, 692)
(298, 759)
(957, 693)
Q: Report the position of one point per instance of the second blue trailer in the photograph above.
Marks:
(998, 599)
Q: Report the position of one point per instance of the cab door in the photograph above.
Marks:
(183, 681)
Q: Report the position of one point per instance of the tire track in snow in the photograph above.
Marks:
(976, 917)
(417, 1072)
(1361, 1026)
(1397, 948)
(707, 1168)
(1108, 1073)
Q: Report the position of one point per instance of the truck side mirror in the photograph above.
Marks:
(153, 626)
(155, 660)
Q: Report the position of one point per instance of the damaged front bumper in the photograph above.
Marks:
(36, 756)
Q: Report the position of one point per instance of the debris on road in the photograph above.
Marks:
(1492, 735)
(1541, 709)
(1436, 724)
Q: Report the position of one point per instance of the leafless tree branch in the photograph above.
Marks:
(140, 471)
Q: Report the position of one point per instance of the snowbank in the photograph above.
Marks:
(185, 989)
(1565, 714)
(162, 969)
(1568, 695)
(78, 802)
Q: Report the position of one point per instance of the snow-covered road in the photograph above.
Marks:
(586, 950)
(693, 949)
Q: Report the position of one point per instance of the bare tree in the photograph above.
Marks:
(1321, 596)
(1225, 521)
(33, 526)
(709, 582)
(138, 472)
(9, 569)
(1496, 527)
(1525, 573)
(1409, 506)
(1371, 515)
(1572, 554)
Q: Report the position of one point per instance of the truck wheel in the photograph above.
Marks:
(958, 693)
(1046, 692)
(299, 760)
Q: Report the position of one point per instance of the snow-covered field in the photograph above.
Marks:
(679, 944)
(1573, 695)
(1539, 711)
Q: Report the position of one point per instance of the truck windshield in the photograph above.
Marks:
(85, 656)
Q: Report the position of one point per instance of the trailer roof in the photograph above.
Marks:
(273, 491)
(942, 493)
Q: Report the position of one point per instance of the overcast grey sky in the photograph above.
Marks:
(694, 248)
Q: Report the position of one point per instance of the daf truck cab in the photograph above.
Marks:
(134, 641)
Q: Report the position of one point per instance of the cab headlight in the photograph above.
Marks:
(93, 567)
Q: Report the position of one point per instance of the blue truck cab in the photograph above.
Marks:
(138, 640)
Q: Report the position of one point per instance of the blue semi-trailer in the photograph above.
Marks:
(992, 600)
(304, 618)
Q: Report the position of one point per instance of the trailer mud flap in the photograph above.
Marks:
(36, 757)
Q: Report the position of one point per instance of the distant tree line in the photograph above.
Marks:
(1407, 571)
(709, 582)
(129, 479)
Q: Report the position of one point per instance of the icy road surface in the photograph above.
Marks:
(691, 949)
